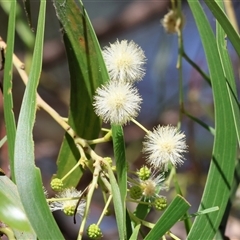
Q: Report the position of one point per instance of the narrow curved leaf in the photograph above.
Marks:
(87, 72)
(28, 177)
(121, 164)
(229, 75)
(232, 90)
(7, 87)
(118, 206)
(220, 176)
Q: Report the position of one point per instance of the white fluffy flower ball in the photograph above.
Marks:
(117, 102)
(124, 61)
(163, 145)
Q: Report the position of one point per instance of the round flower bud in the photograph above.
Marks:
(69, 210)
(94, 232)
(144, 173)
(136, 192)
(160, 203)
(56, 184)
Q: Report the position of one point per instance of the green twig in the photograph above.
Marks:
(193, 64)
(106, 138)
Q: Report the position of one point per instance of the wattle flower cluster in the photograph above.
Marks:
(118, 102)
(67, 201)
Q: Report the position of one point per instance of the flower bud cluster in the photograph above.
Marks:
(57, 184)
(94, 232)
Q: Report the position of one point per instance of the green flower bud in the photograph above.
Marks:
(136, 192)
(94, 232)
(144, 173)
(69, 210)
(56, 184)
(160, 203)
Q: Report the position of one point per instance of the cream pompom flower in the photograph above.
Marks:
(67, 202)
(124, 61)
(163, 145)
(148, 188)
(117, 102)
(152, 186)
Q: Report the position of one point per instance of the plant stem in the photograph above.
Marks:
(92, 187)
(140, 221)
(139, 125)
(61, 199)
(106, 138)
(104, 210)
(173, 236)
(193, 64)
(179, 61)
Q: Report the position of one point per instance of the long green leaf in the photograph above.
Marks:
(229, 75)
(11, 210)
(7, 88)
(226, 25)
(120, 157)
(87, 72)
(231, 86)
(221, 170)
(28, 177)
(118, 206)
(176, 209)
(121, 164)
